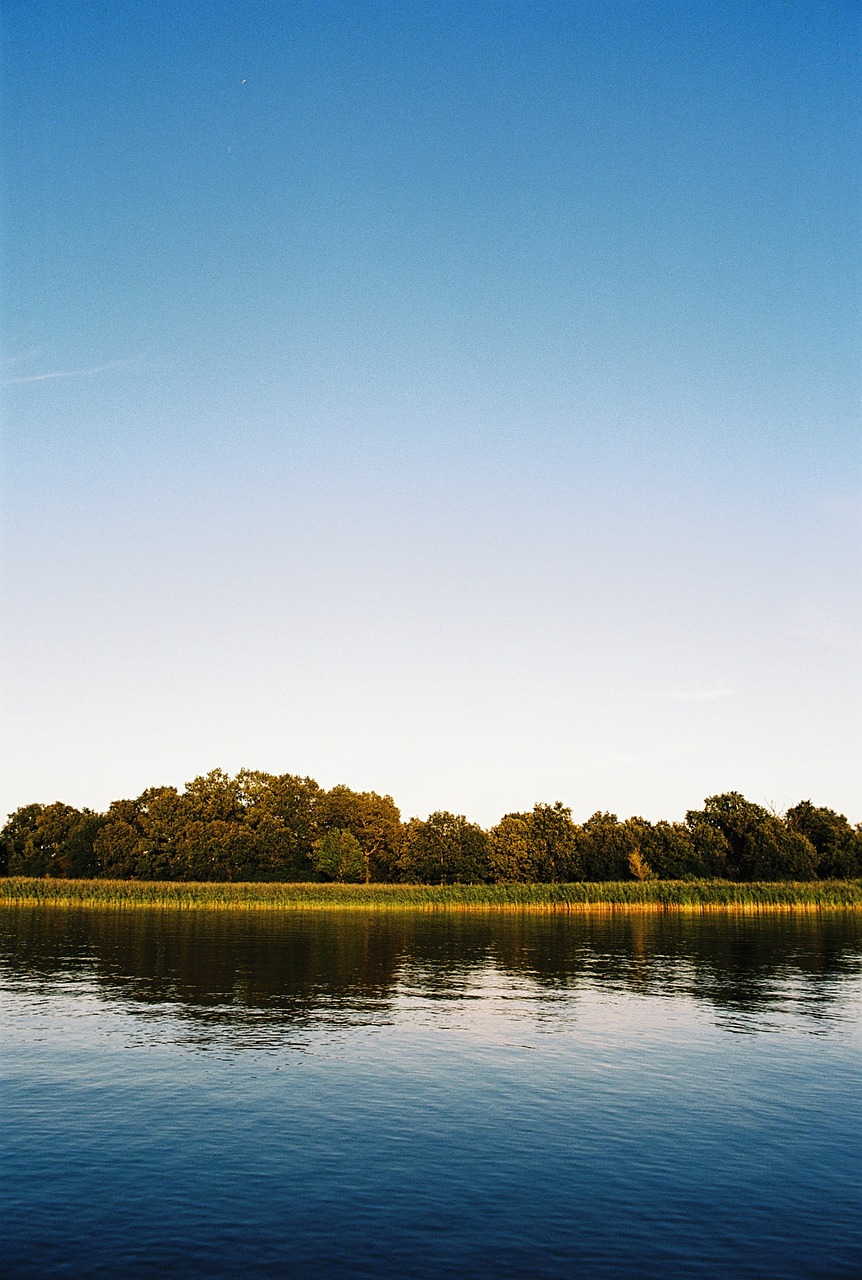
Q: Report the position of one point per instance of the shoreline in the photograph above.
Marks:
(695, 896)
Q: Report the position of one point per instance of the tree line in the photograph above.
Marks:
(267, 827)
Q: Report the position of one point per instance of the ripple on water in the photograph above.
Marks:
(225, 1095)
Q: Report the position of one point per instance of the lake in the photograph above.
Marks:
(219, 1094)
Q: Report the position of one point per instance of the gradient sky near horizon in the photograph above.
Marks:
(455, 400)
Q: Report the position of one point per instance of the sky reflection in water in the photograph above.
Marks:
(216, 1094)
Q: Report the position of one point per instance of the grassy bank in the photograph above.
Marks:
(651, 895)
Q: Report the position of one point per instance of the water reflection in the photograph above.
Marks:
(219, 1095)
(235, 971)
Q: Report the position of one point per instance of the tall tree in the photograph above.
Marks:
(338, 856)
(284, 811)
(374, 820)
(447, 849)
(511, 853)
(50, 840)
(838, 845)
(760, 846)
(554, 842)
(605, 846)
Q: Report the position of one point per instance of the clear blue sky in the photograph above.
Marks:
(455, 400)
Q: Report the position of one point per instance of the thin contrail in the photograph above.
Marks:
(65, 373)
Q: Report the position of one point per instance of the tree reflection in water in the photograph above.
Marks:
(233, 971)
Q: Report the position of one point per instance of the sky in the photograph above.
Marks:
(453, 400)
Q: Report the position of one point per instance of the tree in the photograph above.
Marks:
(17, 840)
(338, 855)
(214, 797)
(539, 846)
(511, 857)
(50, 840)
(141, 839)
(759, 845)
(605, 846)
(672, 851)
(447, 849)
(266, 827)
(117, 852)
(554, 843)
(711, 849)
(284, 811)
(838, 845)
(374, 820)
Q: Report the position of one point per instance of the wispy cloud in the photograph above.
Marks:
(830, 636)
(620, 759)
(21, 357)
(696, 695)
(19, 379)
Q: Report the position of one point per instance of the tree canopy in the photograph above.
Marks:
(283, 827)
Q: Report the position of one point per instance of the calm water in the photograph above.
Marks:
(219, 1094)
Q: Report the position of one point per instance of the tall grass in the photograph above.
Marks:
(654, 895)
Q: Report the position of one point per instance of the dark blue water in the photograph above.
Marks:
(218, 1094)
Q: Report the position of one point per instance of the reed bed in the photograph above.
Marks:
(651, 895)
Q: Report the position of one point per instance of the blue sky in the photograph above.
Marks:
(455, 400)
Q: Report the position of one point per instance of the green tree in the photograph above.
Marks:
(284, 811)
(18, 840)
(256, 826)
(669, 849)
(605, 845)
(447, 849)
(79, 855)
(760, 846)
(711, 849)
(117, 850)
(511, 855)
(141, 839)
(50, 840)
(554, 843)
(837, 844)
(338, 855)
(214, 797)
(375, 822)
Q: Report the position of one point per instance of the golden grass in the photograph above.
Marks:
(647, 896)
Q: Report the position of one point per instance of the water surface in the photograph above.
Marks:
(215, 1094)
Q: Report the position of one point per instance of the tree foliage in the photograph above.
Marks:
(759, 845)
(447, 849)
(282, 827)
(50, 840)
(838, 846)
(338, 855)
